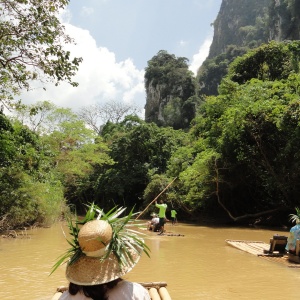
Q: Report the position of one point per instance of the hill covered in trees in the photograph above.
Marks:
(174, 95)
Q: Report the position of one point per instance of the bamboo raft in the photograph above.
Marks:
(156, 290)
(259, 248)
(170, 234)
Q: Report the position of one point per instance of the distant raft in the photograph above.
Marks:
(261, 250)
(156, 290)
(171, 234)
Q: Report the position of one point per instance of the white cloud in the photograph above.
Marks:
(65, 15)
(100, 76)
(199, 58)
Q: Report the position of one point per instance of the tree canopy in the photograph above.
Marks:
(32, 42)
(244, 151)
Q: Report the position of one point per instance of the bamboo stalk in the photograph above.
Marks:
(154, 294)
(164, 294)
(153, 284)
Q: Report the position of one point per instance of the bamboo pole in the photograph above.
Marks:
(156, 197)
(164, 294)
(156, 284)
(154, 294)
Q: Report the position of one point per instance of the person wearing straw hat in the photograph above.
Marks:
(103, 250)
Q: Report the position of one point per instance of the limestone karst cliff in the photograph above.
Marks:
(242, 25)
(170, 91)
(239, 22)
(173, 95)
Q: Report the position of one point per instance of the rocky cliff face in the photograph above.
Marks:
(284, 20)
(247, 23)
(168, 107)
(242, 25)
(238, 23)
(170, 91)
(155, 103)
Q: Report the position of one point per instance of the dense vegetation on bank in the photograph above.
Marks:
(238, 156)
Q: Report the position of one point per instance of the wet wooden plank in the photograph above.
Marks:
(252, 247)
(257, 248)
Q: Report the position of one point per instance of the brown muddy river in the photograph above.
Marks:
(198, 265)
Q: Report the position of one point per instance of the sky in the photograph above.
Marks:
(116, 39)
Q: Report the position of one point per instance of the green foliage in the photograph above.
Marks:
(140, 149)
(244, 142)
(34, 202)
(110, 130)
(38, 117)
(214, 69)
(172, 112)
(253, 145)
(165, 68)
(155, 187)
(31, 41)
(30, 193)
(77, 154)
(295, 218)
(198, 180)
(269, 62)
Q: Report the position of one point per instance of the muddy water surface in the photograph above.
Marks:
(198, 265)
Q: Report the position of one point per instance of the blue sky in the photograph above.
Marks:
(116, 38)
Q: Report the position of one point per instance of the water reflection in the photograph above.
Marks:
(198, 265)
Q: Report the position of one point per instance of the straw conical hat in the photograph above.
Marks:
(92, 268)
(94, 236)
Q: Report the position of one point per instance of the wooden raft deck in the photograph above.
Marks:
(257, 248)
(156, 290)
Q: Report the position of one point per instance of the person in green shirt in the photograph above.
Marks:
(162, 215)
(173, 216)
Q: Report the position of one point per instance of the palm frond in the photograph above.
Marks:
(124, 240)
(295, 218)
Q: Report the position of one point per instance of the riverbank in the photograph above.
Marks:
(276, 221)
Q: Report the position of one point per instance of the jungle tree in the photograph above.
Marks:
(140, 150)
(31, 46)
(245, 141)
(30, 191)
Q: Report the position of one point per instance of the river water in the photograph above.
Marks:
(196, 265)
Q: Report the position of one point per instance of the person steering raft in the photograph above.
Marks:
(162, 215)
